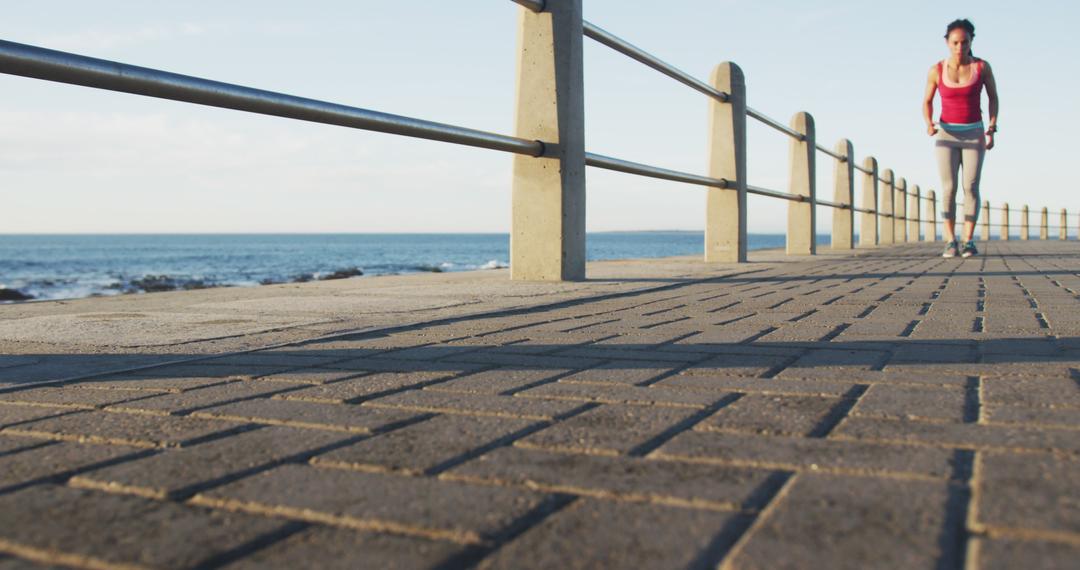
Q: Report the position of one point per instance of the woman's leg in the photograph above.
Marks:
(973, 161)
(948, 160)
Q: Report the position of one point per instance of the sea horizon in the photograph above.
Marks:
(54, 266)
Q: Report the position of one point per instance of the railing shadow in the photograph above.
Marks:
(761, 359)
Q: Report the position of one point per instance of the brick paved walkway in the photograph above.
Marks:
(890, 409)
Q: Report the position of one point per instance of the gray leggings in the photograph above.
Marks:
(952, 150)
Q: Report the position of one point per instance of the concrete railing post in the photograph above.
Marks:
(986, 220)
(914, 219)
(1044, 224)
(843, 222)
(868, 221)
(1024, 229)
(900, 207)
(1063, 230)
(888, 221)
(1005, 222)
(802, 219)
(547, 238)
(931, 216)
(725, 208)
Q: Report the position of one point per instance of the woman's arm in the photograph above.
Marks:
(992, 94)
(928, 101)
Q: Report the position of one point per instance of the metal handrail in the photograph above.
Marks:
(831, 204)
(833, 154)
(863, 170)
(64, 67)
(626, 48)
(755, 114)
(751, 189)
(619, 165)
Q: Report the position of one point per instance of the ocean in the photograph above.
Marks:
(72, 266)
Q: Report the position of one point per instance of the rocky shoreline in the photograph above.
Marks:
(162, 283)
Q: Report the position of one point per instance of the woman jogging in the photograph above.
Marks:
(961, 138)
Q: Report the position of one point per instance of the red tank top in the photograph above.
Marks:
(961, 103)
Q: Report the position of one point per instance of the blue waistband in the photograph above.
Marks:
(961, 126)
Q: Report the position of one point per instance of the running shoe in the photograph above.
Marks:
(969, 249)
(950, 249)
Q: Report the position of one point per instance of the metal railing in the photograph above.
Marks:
(895, 194)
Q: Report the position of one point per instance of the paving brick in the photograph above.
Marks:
(406, 505)
(1035, 492)
(710, 342)
(610, 429)
(11, 444)
(351, 348)
(538, 361)
(928, 376)
(403, 366)
(907, 402)
(35, 368)
(616, 394)
(11, 414)
(620, 372)
(126, 530)
(648, 536)
(972, 436)
(69, 397)
(780, 415)
(426, 353)
(363, 387)
(314, 415)
(640, 339)
(1004, 554)
(1027, 346)
(425, 445)
(282, 359)
(727, 384)
(207, 369)
(139, 383)
(179, 472)
(858, 522)
(347, 549)
(313, 376)
(13, 563)
(623, 478)
(202, 398)
(1058, 417)
(1027, 369)
(55, 460)
(475, 404)
(1050, 392)
(123, 429)
(625, 353)
(921, 354)
(797, 332)
(499, 381)
(823, 358)
(738, 365)
(796, 453)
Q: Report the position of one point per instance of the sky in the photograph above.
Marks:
(75, 160)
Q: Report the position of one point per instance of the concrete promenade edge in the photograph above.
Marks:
(884, 408)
